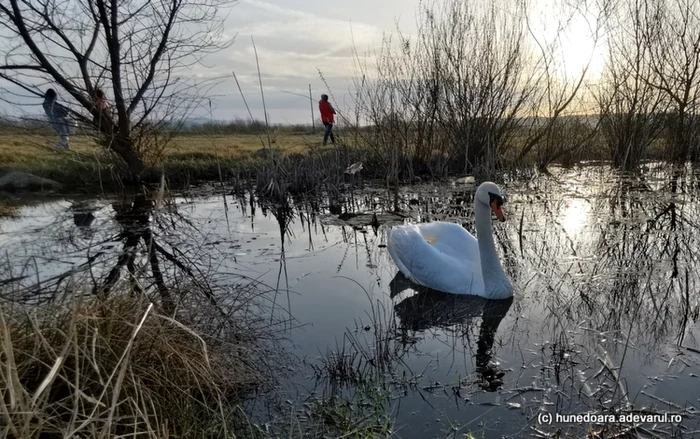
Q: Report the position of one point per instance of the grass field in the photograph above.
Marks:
(186, 156)
(191, 157)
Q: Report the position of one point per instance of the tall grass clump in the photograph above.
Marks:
(322, 171)
(118, 368)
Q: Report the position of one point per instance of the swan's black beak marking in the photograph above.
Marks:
(497, 198)
(496, 201)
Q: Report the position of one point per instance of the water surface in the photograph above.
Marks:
(604, 316)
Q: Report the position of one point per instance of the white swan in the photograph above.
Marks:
(445, 257)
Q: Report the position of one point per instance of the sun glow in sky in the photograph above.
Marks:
(580, 48)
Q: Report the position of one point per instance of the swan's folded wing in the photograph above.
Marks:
(452, 239)
(431, 265)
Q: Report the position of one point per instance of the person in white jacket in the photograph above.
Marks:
(58, 118)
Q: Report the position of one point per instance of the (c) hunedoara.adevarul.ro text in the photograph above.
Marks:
(600, 418)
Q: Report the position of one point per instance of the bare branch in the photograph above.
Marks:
(155, 60)
(22, 67)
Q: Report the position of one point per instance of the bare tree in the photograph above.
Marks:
(671, 34)
(630, 108)
(140, 50)
(400, 105)
(481, 59)
(445, 100)
(544, 129)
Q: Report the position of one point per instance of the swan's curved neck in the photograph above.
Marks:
(496, 282)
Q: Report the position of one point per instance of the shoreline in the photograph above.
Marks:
(201, 158)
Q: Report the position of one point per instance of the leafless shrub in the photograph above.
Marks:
(474, 89)
(630, 107)
(671, 35)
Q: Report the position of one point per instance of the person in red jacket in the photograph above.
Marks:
(327, 117)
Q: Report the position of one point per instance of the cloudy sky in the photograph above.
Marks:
(294, 40)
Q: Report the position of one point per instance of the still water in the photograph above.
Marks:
(604, 317)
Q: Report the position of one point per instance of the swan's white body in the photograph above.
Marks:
(445, 257)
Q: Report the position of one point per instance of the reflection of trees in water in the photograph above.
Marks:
(430, 309)
(146, 252)
(47, 256)
(370, 368)
(620, 281)
(629, 266)
(645, 259)
(629, 270)
(623, 272)
(137, 248)
(284, 214)
(373, 353)
(426, 205)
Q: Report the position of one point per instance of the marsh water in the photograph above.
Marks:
(604, 319)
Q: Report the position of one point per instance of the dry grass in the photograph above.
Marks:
(116, 368)
(35, 153)
(238, 146)
(198, 156)
(33, 148)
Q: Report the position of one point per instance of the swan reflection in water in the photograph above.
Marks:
(434, 309)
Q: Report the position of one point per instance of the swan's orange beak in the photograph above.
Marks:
(498, 211)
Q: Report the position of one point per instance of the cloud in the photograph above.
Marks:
(293, 44)
(292, 47)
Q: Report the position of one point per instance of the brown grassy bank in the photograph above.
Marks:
(121, 367)
(185, 158)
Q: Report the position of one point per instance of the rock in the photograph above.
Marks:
(83, 215)
(469, 179)
(24, 181)
(354, 168)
